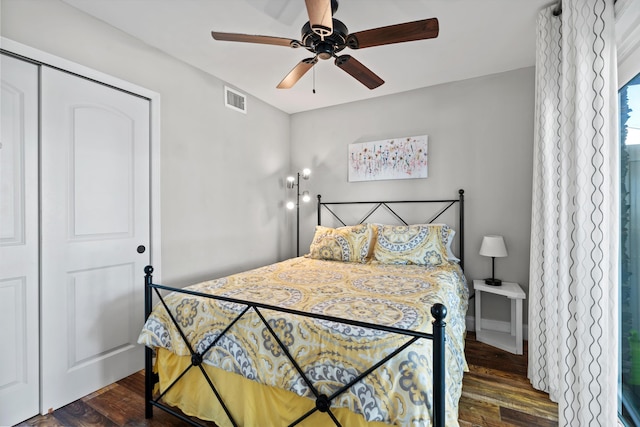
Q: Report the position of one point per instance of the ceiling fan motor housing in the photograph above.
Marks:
(327, 46)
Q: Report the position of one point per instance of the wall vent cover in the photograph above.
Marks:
(235, 100)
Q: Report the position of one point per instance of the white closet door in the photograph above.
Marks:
(95, 213)
(19, 375)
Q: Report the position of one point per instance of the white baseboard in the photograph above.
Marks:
(494, 325)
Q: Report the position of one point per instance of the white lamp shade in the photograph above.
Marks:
(493, 246)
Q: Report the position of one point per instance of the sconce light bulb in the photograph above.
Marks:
(291, 182)
(306, 197)
(290, 205)
(306, 173)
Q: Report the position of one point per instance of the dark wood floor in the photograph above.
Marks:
(496, 392)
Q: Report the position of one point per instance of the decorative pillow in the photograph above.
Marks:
(420, 244)
(348, 244)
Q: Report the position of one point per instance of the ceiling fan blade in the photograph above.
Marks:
(297, 73)
(409, 31)
(359, 71)
(320, 17)
(247, 38)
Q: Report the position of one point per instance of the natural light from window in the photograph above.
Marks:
(629, 396)
(633, 124)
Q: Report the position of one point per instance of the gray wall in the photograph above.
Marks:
(480, 139)
(221, 171)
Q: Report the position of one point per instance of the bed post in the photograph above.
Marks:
(319, 210)
(439, 312)
(148, 352)
(461, 228)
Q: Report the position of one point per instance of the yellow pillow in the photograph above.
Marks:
(421, 244)
(348, 244)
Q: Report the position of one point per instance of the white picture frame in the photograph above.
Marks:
(396, 158)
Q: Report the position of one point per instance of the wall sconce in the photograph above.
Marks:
(493, 246)
(292, 182)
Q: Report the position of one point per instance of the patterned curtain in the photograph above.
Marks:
(573, 283)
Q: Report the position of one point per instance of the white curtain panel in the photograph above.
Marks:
(573, 283)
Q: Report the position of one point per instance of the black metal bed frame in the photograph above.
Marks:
(323, 402)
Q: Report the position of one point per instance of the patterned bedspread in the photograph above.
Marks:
(331, 354)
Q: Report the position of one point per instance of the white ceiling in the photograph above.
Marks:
(477, 37)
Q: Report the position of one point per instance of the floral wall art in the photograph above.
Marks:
(398, 158)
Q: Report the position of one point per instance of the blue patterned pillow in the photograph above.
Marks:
(420, 244)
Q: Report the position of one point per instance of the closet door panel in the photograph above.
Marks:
(19, 374)
(103, 149)
(95, 213)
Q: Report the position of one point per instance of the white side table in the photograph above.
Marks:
(511, 342)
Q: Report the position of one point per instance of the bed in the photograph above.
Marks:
(367, 329)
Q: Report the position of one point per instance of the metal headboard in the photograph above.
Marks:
(448, 203)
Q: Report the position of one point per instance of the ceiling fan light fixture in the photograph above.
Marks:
(324, 50)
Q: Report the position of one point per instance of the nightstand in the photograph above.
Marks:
(508, 341)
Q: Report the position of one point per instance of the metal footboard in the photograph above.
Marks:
(323, 402)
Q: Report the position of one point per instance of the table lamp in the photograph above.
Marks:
(493, 246)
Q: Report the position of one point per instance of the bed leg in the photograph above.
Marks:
(148, 382)
(439, 312)
(148, 352)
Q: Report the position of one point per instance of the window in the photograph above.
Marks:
(629, 97)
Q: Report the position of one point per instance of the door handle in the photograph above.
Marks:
(141, 249)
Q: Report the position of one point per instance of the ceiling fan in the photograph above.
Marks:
(325, 37)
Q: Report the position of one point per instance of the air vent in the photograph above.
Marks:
(235, 100)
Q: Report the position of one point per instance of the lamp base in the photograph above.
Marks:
(493, 282)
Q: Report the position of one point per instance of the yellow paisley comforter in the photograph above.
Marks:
(331, 354)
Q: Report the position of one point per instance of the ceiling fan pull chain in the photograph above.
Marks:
(314, 80)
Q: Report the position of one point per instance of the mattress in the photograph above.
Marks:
(330, 354)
